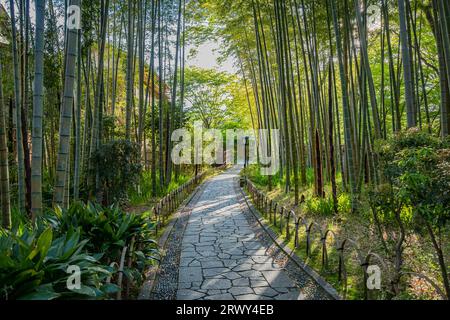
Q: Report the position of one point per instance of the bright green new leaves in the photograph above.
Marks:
(215, 98)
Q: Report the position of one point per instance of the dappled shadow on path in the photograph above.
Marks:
(222, 257)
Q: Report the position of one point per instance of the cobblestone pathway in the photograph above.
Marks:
(221, 257)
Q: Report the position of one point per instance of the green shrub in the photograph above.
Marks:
(320, 206)
(344, 203)
(416, 174)
(108, 229)
(34, 258)
(34, 265)
(253, 171)
(416, 165)
(118, 166)
(141, 193)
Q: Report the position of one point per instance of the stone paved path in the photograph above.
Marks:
(220, 256)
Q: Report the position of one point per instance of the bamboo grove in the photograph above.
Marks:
(73, 90)
(337, 76)
(91, 92)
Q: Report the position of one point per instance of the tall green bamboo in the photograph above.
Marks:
(444, 26)
(99, 96)
(38, 104)
(365, 61)
(161, 93)
(129, 72)
(4, 171)
(141, 51)
(152, 70)
(173, 98)
(395, 109)
(66, 114)
(345, 104)
(77, 157)
(407, 67)
(18, 106)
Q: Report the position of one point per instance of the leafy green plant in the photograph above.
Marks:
(108, 229)
(320, 206)
(254, 172)
(344, 203)
(34, 265)
(416, 168)
(118, 166)
(141, 193)
(325, 206)
(34, 258)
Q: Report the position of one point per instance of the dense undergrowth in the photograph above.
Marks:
(403, 219)
(40, 260)
(110, 247)
(141, 193)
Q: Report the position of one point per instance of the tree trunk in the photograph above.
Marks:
(152, 70)
(407, 67)
(130, 73)
(38, 101)
(161, 94)
(174, 98)
(345, 105)
(18, 106)
(66, 115)
(77, 161)
(4, 171)
(141, 57)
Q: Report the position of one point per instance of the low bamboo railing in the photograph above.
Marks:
(290, 223)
